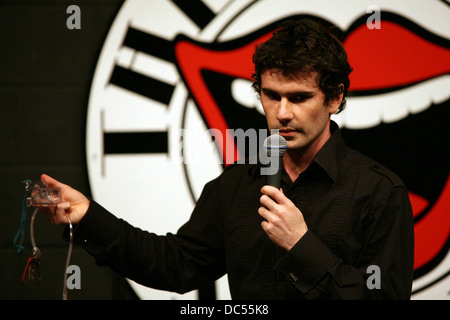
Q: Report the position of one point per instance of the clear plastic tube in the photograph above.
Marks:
(69, 253)
(36, 251)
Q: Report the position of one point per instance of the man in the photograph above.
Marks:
(338, 215)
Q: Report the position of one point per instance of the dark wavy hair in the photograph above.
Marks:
(305, 46)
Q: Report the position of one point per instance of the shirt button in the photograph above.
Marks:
(293, 277)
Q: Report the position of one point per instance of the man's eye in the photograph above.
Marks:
(273, 96)
(298, 98)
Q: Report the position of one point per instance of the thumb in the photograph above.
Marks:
(49, 181)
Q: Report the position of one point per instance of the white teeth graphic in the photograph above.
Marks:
(368, 111)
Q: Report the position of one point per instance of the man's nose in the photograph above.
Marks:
(284, 113)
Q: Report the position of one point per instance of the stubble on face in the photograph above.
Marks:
(295, 105)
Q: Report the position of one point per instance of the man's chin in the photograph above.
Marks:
(296, 144)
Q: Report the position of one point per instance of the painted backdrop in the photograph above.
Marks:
(172, 71)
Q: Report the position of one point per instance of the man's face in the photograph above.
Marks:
(295, 105)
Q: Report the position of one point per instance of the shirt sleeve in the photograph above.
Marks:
(180, 262)
(388, 247)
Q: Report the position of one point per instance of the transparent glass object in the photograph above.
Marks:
(41, 194)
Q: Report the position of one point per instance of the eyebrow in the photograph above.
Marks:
(304, 94)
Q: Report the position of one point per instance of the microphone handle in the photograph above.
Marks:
(275, 179)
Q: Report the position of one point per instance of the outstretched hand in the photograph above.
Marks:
(74, 204)
(284, 222)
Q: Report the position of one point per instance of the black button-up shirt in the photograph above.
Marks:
(359, 245)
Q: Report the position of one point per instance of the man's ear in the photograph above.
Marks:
(335, 103)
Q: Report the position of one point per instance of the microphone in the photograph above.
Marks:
(275, 146)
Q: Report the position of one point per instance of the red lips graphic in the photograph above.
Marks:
(386, 58)
(192, 59)
(391, 57)
(432, 231)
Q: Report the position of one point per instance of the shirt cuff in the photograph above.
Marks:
(97, 230)
(307, 263)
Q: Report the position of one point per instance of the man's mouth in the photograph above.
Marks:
(286, 132)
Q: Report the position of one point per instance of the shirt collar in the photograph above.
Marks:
(332, 153)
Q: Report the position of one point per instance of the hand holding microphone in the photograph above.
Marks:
(284, 223)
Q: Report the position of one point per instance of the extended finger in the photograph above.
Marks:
(49, 181)
(274, 193)
(58, 216)
(265, 225)
(264, 213)
(267, 202)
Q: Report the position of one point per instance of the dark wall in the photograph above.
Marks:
(46, 72)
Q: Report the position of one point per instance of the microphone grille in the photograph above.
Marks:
(275, 145)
